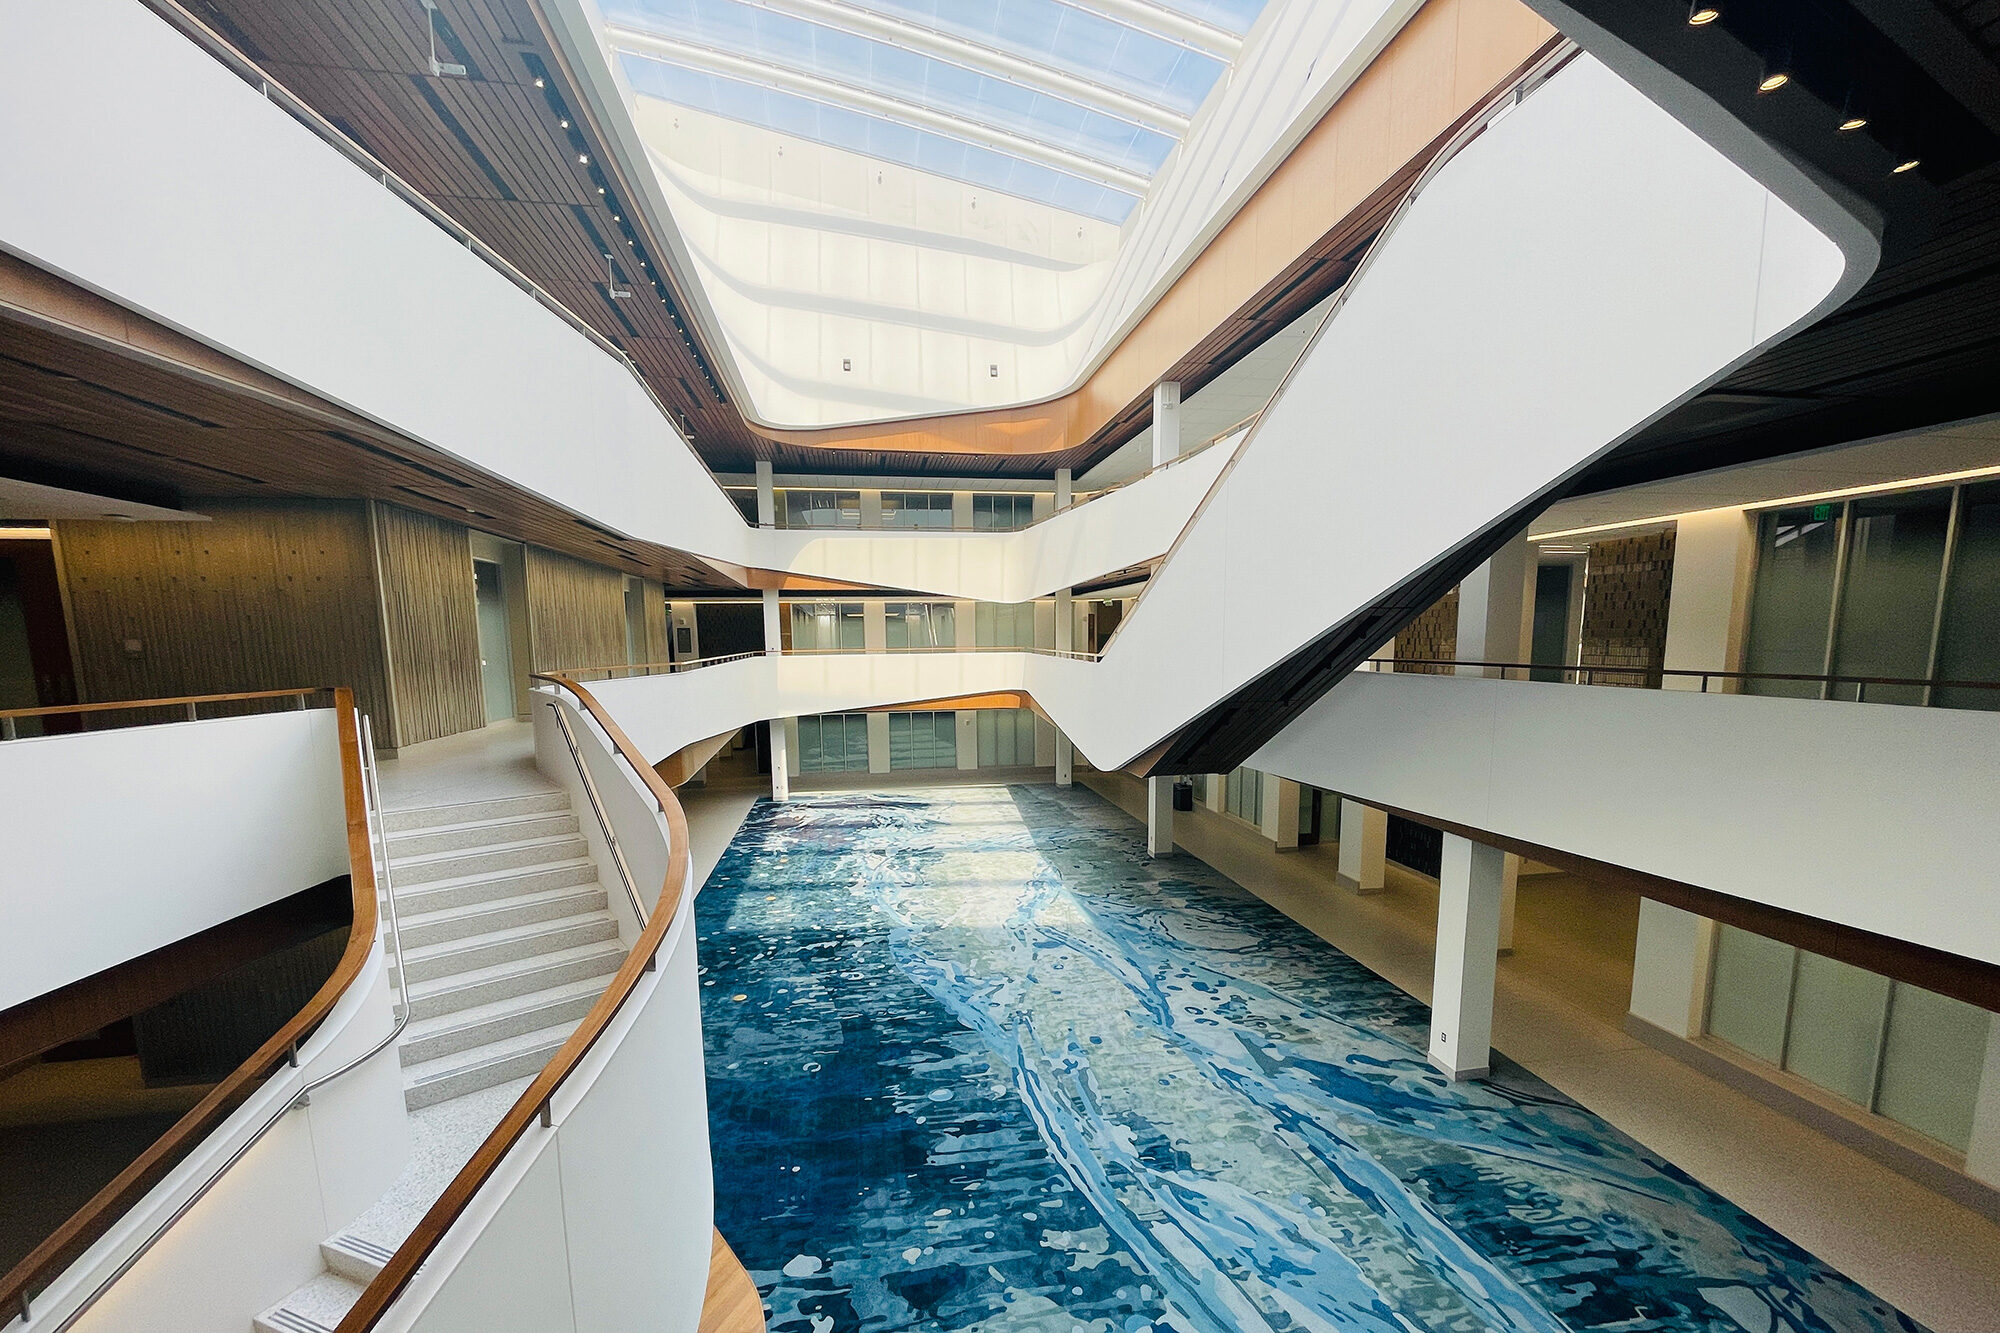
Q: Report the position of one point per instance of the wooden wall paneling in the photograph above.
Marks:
(576, 612)
(658, 630)
(431, 617)
(265, 595)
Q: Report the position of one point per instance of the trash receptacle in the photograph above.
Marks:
(1183, 795)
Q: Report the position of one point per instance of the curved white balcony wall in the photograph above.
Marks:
(1114, 531)
(125, 841)
(602, 1223)
(1809, 806)
(210, 210)
(255, 1236)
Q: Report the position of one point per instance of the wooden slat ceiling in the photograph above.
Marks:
(81, 413)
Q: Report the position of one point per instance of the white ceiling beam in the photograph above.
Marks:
(820, 87)
(1160, 21)
(982, 59)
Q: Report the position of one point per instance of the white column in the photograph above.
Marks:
(1496, 609)
(964, 625)
(871, 509)
(875, 625)
(1364, 845)
(1281, 812)
(774, 639)
(1708, 601)
(878, 742)
(1218, 793)
(767, 497)
(781, 779)
(961, 509)
(1166, 421)
(1065, 639)
(1468, 941)
(1982, 1153)
(1670, 968)
(1510, 887)
(967, 735)
(1159, 816)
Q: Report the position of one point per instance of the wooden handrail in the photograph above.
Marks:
(1582, 670)
(533, 1105)
(83, 1228)
(183, 701)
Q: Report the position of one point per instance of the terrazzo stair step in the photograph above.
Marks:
(449, 1034)
(422, 929)
(501, 1061)
(355, 1258)
(499, 807)
(506, 946)
(464, 890)
(480, 833)
(413, 870)
(472, 989)
(316, 1307)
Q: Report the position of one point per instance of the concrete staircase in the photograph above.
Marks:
(507, 942)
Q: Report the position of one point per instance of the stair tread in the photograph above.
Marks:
(524, 1043)
(489, 876)
(493, 1009)
(531, 898)
(539, 794)
(316, 1307)
(461, 853)
(510, 935)
(423, 990)
(497, 822)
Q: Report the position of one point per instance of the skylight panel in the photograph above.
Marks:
(839, 127)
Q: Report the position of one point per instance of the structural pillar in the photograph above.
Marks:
(767, 497)
(767, 516)
(1364, 846)
(1065, 641)
(1707, 602)
(1166, 421)
(781, 777)
(1496, 609)
(1281, 812)
(1468, 942)
(1982, 1153)
(1670, 969)
(1159, 816)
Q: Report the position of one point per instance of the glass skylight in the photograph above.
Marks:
(1049, 100)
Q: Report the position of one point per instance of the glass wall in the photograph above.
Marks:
(923, 740)
(1004, 624)
(818, 626)
(1002, 512)
(833, 743)
(1911, 1055)
(1903, 586)
(920, 624)
(1006, 738)
(821, 509)
(916, 509)
(1244, 795)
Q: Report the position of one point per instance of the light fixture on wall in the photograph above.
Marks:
(618, 291)
(439, 68)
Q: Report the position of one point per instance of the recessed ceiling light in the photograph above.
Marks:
(1773, 81)
(583, 158)
(1852, 123)
(1701, 15)
(1907, 164)
(538, 80)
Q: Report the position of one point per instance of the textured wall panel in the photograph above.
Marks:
(1625, 595)
(267, 595)
(1432, 636)
(576, 612)
(432, 617)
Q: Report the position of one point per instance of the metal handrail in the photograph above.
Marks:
(603, 820)
(633, 670)
(1586, 674)
(378, 839)
(188, 704)
(1075, 504)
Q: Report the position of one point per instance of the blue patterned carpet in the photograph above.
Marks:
(976, 1063)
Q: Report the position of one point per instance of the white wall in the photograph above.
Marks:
(255, 1237)
(121, 842)
(1808, 806)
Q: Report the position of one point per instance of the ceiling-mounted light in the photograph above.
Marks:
(618, 291)
(439, 68)
(538, 81)
(1907, 164)
(1851, 117)
(1777, 70)
(1701, 15)
(583, 159)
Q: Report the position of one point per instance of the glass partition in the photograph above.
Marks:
(833, 743)
(1888, 598)
(920, 624)
(916, 509)
(1969, 638)
(818, 626)
(923, 740)
(1797, 550)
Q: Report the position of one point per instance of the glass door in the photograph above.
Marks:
(496, 652)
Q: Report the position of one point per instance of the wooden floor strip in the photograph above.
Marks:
(733, 1305)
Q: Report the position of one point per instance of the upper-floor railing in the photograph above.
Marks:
(1081, 499)
(535, 1105)
(630, 670)
(1846, 688)
(68, 1242)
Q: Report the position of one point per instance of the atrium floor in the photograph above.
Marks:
(976, 1061)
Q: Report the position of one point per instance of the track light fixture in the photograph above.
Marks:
(1701, 15)
(439, 68)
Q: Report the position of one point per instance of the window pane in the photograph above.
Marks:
(1750, 992)
(1969, 648)
(1895, 550)
(1837, 1013)
(1793, 600)
(1931, 1064)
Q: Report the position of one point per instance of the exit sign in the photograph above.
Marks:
(1821, 513)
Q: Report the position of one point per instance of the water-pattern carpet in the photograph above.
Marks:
(975, 1062)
